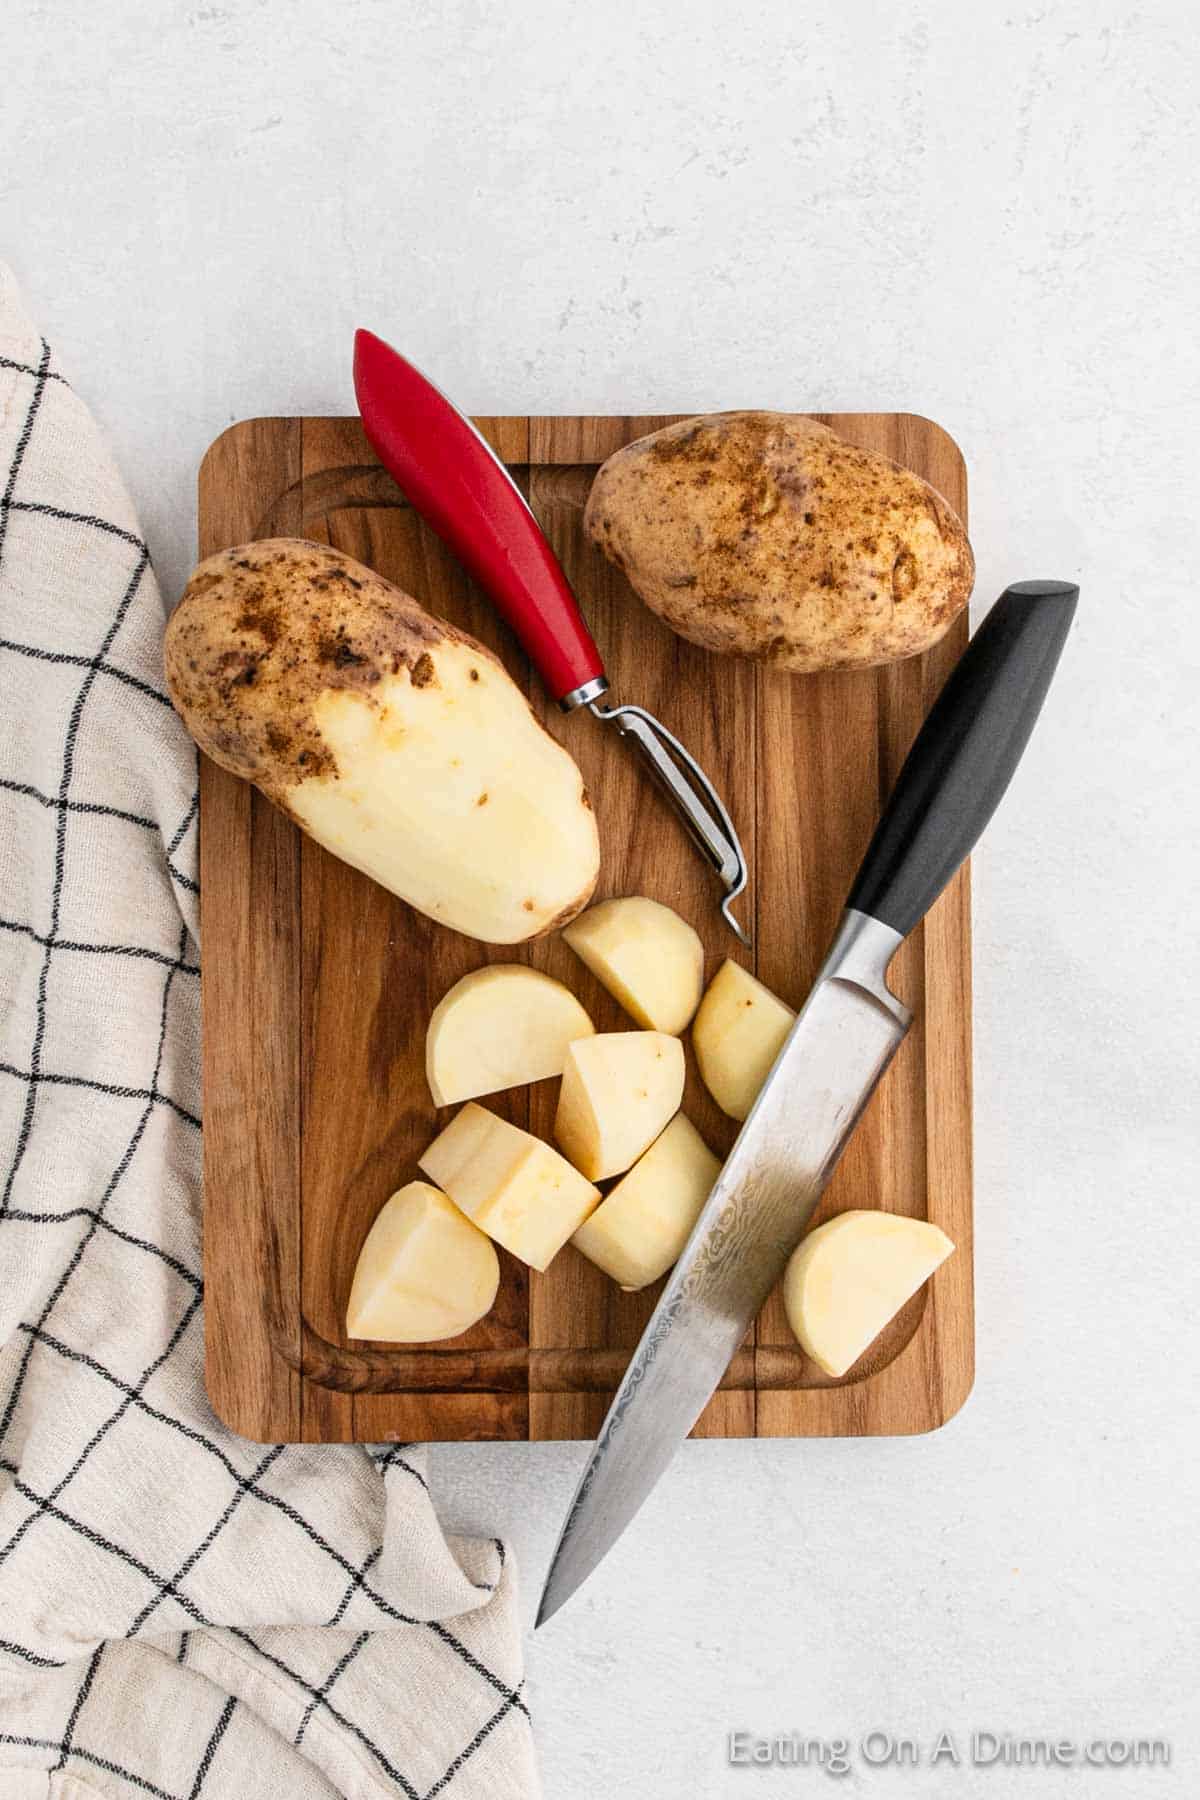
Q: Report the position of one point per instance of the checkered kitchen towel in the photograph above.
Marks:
(181, 1612)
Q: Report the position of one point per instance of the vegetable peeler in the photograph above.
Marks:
(459, 485)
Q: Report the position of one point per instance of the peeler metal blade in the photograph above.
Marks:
(692, 795)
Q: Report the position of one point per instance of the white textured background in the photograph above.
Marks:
(983, 213)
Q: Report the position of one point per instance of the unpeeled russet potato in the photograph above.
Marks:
(424, 1273)
(648, 958)
(516, 1188)
(393, 738)
(737, 1034)
(850, 1276)
(765, 534)
(498, 1028)
(619, 1090)
(640, 1227)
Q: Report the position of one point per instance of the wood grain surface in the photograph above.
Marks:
(317, 986)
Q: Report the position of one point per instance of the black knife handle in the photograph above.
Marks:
(965, 754)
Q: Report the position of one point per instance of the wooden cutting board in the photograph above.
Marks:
(317, 986)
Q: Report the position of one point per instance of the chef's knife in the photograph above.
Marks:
(842, 1042)
(458, 484)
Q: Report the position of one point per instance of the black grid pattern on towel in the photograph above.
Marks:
(167, 1605)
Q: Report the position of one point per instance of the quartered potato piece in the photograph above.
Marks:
(648, 958)
(424, 1273)
(500, 1028)
(850, 1276)
(516, 1188)
(639, 1228)
(737, 1034)
(619, 1090)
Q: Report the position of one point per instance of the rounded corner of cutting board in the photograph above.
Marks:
(956, 1398)
(228, 442)
(920, 425)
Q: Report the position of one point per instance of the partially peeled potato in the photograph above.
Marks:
(394, 739)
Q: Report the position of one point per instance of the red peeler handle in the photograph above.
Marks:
(459, 485)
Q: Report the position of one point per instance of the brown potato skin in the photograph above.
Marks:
(264, 629)
(767, 535)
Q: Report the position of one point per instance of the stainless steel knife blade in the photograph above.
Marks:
(840, 1045)
(953, 778)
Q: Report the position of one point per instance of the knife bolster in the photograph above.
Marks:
(861, 951)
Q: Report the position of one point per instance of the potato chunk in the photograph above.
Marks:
(394, 739)
(514, 1187)
(638, 1229)
(619, 1089)
(737, 1034)
(500, 1028)
(424, 1273)
(647, 957)
(851, 1275)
